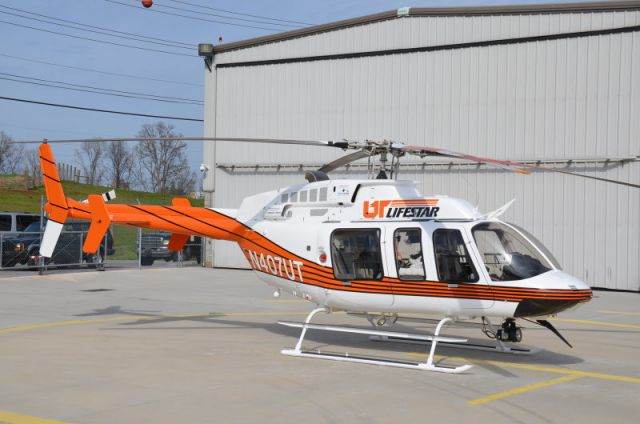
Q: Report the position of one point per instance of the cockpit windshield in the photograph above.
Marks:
(507, 255)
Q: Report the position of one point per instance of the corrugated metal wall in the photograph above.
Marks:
(558, 99)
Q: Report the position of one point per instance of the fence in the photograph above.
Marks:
(20, 250)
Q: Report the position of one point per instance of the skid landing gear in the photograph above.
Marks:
(346, 357)
(500, 334)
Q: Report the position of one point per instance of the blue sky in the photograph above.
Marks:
(27, 121)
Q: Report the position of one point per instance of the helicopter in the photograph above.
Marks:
(376, 248)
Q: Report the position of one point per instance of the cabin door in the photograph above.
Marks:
(359, 265)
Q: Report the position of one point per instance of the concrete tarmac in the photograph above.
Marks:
(195, 345)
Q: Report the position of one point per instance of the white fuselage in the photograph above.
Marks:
(421, 254)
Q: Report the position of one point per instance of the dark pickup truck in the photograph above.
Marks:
(154, 246)
(23, 248)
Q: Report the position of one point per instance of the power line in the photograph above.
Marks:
(92, 28)
(241, 14)
(99, 72)
(193, 17)
(97, 41)
(93, 31)
(91, 89)
(42, 84)
(117, 112)
(182, 9)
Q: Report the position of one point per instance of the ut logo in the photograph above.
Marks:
(374, 209)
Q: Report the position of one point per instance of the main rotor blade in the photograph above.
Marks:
(329, 143)
(344, 160)
(504, 164)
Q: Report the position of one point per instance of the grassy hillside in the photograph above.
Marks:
(124, 237)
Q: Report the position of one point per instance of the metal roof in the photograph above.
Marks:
(598, 6)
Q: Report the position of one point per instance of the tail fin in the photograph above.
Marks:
(100, 222)
(56, 206)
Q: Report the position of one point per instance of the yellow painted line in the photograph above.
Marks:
(540, 368)
(603, 323)
(260, 314)
(138, 318)
(523, 389)
(619, 313)
(13, 418)
(60, 324)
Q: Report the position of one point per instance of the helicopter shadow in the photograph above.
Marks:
(147, 320)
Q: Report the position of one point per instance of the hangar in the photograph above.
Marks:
(557, 85)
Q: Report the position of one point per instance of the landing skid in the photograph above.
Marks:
(346, 357)
(499, 348)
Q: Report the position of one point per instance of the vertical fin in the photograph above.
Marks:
(50, 238)
(57, 203)
(56, 207)
(177, 241)
(100, 222)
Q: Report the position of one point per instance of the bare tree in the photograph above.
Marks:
(162, 164)
(10, 155)
(89, 158)
(118, 161)
(31, 166)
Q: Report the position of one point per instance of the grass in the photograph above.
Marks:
(124, 237)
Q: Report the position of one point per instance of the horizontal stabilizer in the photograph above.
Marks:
(107, 196)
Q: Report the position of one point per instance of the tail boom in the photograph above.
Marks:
(181, 219)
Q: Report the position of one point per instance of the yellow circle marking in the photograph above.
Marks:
(13, 418)
(523, 389)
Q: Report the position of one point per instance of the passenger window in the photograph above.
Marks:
(313, 195)
(407, 243)
(5, 222)
(355, 254)
(284, 197)
(303, 196)
(23, 221)
(452, 258)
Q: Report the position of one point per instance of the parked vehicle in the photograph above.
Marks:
(154, 246)
(23, 248)
(12, 222)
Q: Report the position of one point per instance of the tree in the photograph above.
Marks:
(163, 164)
(10, 155)
(118, 163)
(89, 158)
(32, 166)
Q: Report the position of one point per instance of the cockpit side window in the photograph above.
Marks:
(452, 258)
(506, 254)
(355, 254)
(407, 243)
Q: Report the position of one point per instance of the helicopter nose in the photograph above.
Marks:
(557, 292)
(567, 281)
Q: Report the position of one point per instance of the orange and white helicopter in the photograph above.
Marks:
(374, 247)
